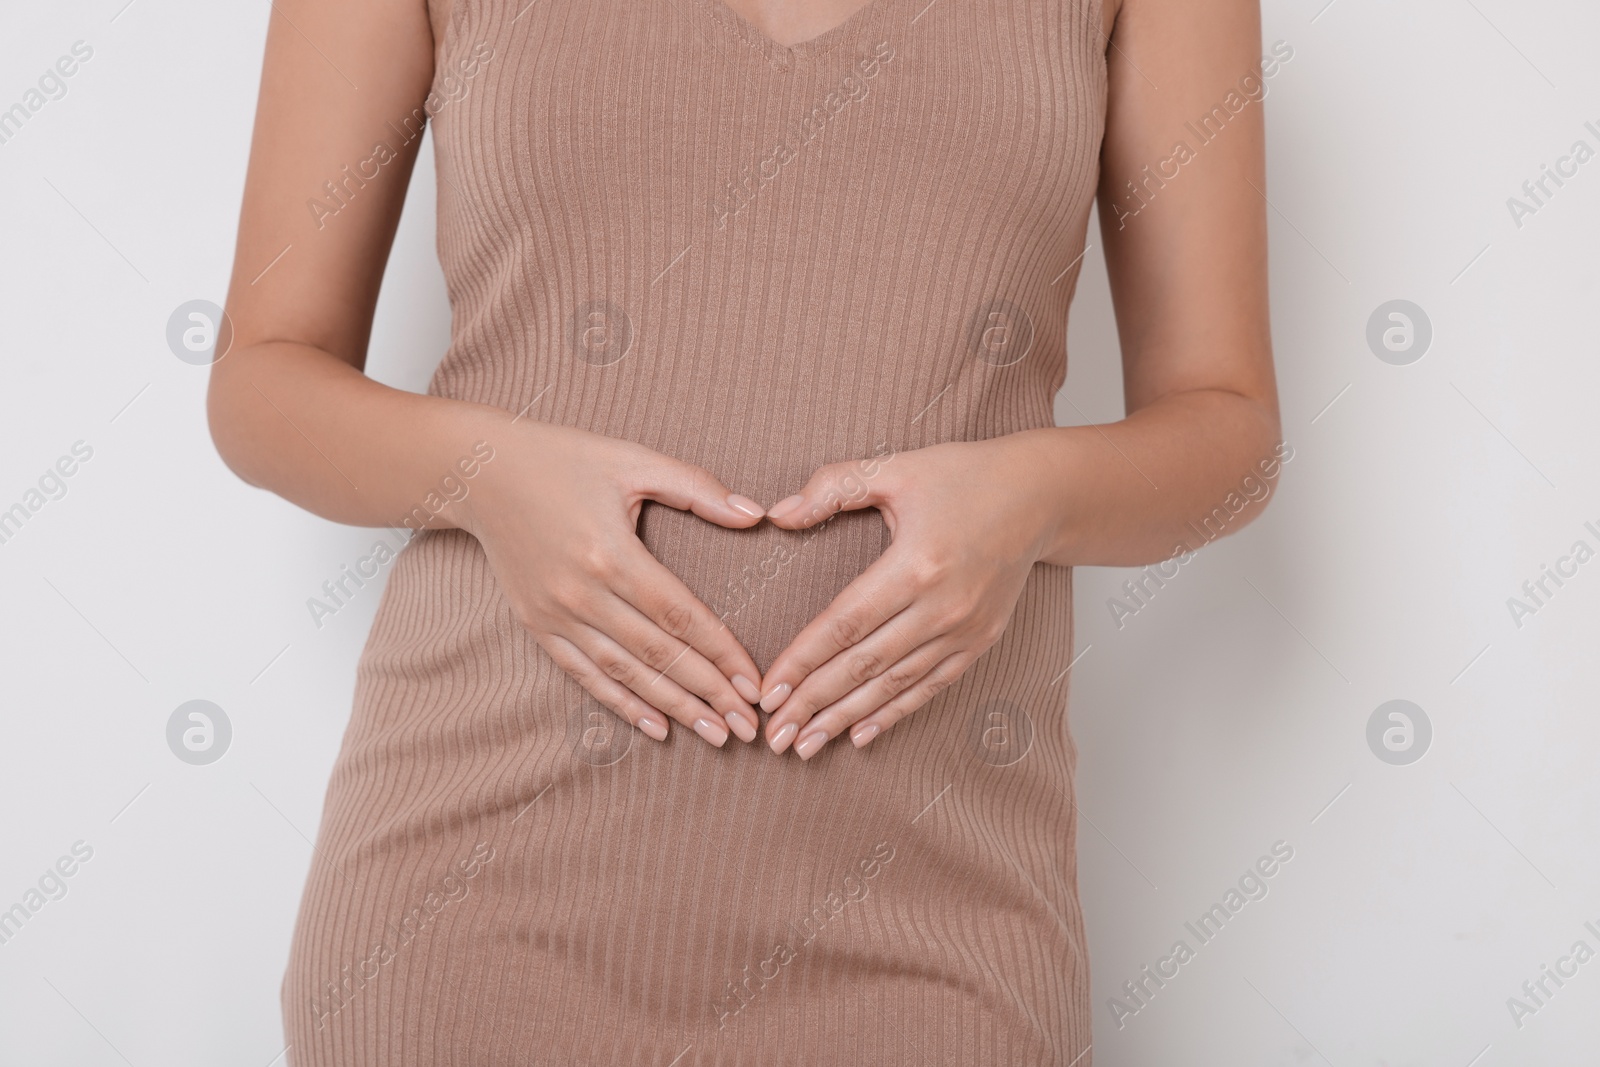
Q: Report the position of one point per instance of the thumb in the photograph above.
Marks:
(848, 486)
(690, 488)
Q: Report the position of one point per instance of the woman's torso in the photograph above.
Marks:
(657, 225)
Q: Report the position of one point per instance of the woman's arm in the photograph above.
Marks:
(969, 520)
(291, 411)
(1188, 275)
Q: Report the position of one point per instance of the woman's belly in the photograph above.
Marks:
(744, 902)
(766, 583)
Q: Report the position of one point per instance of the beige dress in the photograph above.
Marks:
(657, 224)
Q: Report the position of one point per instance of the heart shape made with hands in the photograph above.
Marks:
(911, 617)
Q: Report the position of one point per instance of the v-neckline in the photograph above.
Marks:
(783, 56)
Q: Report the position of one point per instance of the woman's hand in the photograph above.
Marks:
(968, 522)
(557, 514)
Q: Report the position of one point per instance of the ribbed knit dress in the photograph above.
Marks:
(657, 224)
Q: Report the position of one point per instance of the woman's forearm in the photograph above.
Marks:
(1168, 479)
(295, 420)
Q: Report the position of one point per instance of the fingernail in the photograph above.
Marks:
(711, 731)
(739, 725)
(784, 506)
(781, 740)
(776, 696)
(745, 688)
(809, 744)
(653, 727)
(863, 734)
(744, 504)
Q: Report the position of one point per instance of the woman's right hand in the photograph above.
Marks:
(557, 514)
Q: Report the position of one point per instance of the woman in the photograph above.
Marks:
(745, 428)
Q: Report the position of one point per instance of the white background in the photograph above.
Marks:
(1228, 714)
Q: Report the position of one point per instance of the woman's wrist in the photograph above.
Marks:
(1049, 463)
(463, 441)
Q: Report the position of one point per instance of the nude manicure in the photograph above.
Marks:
(745, 504)
(711, 731)
(864, 734)
(776, 696)
(781, 739)
(746, 689)
(809, 744)
(653, 728)
(787, 504)
(741, 726)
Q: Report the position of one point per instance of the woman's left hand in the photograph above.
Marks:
(968, 521)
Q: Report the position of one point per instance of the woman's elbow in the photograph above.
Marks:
(227, 423)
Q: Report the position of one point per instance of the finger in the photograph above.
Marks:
(834, 718)
(848, 486)
(690, 488)
(938, 678)
(663, 598)
(655, 689)
(606, 690)
(880, 653)
(877, 594)
(666, 654)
